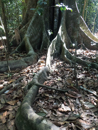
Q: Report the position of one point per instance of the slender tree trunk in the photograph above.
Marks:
(86, 10)
(28, 14)
(93, 28)
(5, 25)
(84, 7)
(73, 20)
(24, 3)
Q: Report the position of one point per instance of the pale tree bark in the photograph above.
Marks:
(5, 25)
(84, 8)
(67, 27)
(93, 28)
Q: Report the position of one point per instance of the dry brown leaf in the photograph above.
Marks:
(60, 84)
(71, 105)
(70, 95)
(75, 94)
(69, 81)
(1, 86)
(64, 108)
(73, 117)
(61, 123)
(3, 127)
(12, 102)
(5, 114)
(12, 80)
(67, 69)
(3, 119)
(84, 124)
(4, 108)
(12, 115)
(41, 62)
(86, 105)
(10, 125)
(2, 100)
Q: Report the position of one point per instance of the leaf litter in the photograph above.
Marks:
(75, 109)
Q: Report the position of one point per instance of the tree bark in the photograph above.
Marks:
(67, 27)
(5, 25)
(83, 12)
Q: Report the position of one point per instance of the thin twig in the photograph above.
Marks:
(61, 90)
(9, 86)
(88, 91)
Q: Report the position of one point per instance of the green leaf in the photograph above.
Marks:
(40, 11)
(41, 114)
(33, 9)
(63, 7)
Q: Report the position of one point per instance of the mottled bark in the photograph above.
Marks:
(67, 27)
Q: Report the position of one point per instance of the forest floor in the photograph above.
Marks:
(76, 109)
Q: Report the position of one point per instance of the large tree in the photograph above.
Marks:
(68, 28)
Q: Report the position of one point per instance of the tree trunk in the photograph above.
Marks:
(84, 7)
(67, 27)
(5, 25)
(86, 10)
(93, 28)
(24, 3)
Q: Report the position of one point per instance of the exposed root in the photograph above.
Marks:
(86, 30)
(89, 91)
(60, 42)
(28, 46)
(26, 118)
(20, 64)
(74, 59)
(55, 46)
(44, 86)
(89, 40)
(51, 51)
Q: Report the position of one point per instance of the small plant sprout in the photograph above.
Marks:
(50, 32)
(63, 7)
